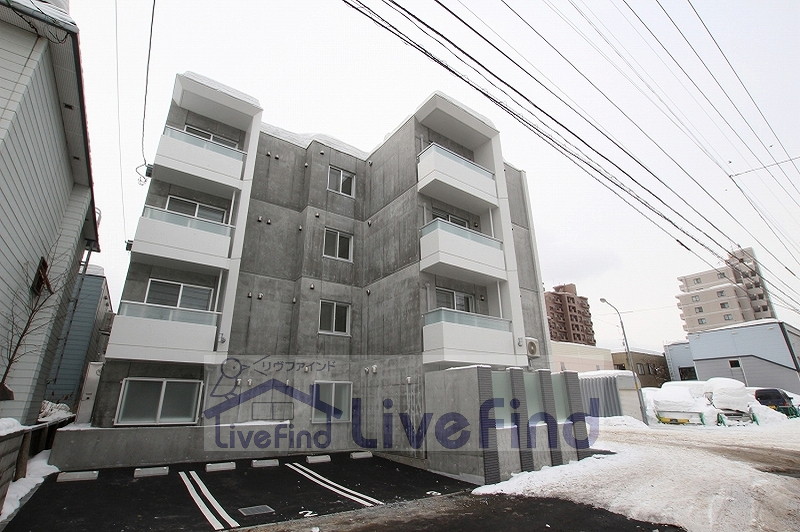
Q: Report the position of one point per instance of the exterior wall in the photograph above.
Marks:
(678, 355)
(579, 357)
(653, 371)
(41, 189)
(752, 371)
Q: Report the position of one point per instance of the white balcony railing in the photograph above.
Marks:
(204, 143)
(447, 315)
(447, 176)
(136, 309)
(163, 215)
(453, 251)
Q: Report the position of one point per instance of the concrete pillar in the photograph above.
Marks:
(491, 458)
(549, 404)
(523, 433)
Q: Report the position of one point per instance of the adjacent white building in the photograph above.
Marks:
(49, 222)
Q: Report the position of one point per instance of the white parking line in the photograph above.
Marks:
(220, 510)
(200, 504)
(333, 486)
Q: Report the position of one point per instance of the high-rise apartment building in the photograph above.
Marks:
(266, 260)
(46, 197)
(568, 316)
(733, 293)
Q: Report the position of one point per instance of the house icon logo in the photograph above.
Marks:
(273, 435)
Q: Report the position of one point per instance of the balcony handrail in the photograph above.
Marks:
(128, 301)
(464, 318)
(459, 158)
(221, 224)
(239, 154)
(456, 229)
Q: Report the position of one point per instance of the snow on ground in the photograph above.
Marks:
(38, 469)
(679, 475)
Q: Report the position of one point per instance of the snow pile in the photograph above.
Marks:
(50, 411)
(38, 469)
(9, 425)
(728, 394)
(618, 421)
(679, 476)
(765, 415)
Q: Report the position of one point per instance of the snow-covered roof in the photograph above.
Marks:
(305, 139)
(216, 85)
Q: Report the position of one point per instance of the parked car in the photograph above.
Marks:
(776, 399)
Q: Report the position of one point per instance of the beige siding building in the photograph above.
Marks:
(733, 293)
(568, 316)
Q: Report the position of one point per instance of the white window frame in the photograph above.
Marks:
(698, 310)
(720, 293)
(347, 413)
(728, 317)
(197, 206)
(335, 304)
(697, 280)
(439, 214)
(213, 137)
(338, 235)
(342, 173)
(180, 294)
(701, 321)
(695, 299)
(456, 293)
(124, 389)
(724, 304)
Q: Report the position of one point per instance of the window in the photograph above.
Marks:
(734, 363)
(455, 300)
(720, 293)
(452, 218)
(340, 181)
(336, 394)
(217, 139)
(195, 209)
(334, 317)
(40, 279)
(724, 305)
(720, 275)
(651, 369)
(640, 368)
(181, 295)
(695, 299)
(697, 280)
(158, 401)
(338, 245)
(698, 310)
(728, 317)
(701, 321)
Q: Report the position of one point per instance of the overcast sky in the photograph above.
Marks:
(320, 67)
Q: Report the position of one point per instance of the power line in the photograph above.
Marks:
(143, 178)
(119, 125)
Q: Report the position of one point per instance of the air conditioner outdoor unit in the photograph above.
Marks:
(532, 348)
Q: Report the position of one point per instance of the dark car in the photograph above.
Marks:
(773, 397)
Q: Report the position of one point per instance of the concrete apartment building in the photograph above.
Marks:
(568, 316)
(45, 190)
(761, 353)
(273, 272)
(733, 293)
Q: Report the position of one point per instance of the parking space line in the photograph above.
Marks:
(220, 510)
(200, 504)
(333, 486)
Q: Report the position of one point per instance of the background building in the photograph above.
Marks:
(762, 353)
(568, 316)
(84, 338)
(650, 367)
(47, 185)
(733, 293)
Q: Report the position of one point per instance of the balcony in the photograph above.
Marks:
(454, 338)
(448, 177)
(452, 251)
(175, 236)
(172, 334)
(182, 158)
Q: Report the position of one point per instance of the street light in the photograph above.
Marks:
(630, 361)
